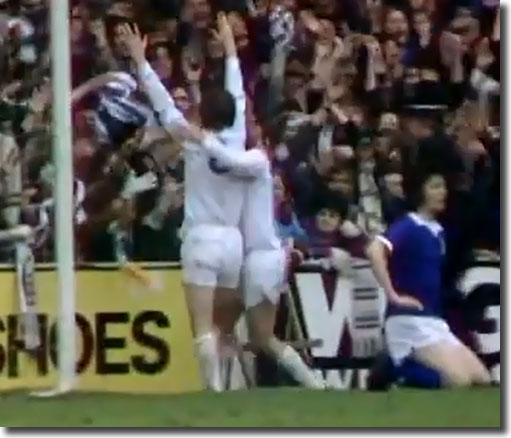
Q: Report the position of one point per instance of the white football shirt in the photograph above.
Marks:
(258, 218)
(211, 198)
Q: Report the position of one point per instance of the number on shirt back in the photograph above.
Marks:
(216, 167)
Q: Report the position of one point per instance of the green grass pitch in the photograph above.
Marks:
(280, 407)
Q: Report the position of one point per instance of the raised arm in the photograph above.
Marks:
(233, 76)
(170, 117)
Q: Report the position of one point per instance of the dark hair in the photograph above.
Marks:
(432, 116)
(165, 9)
(387, 167)
(217, 109)
(414, 181)
(153, 49)
(122, 133)
(331, 200)
(97, 8)
(421, 11)
(275, 129)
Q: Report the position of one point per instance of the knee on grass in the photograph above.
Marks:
(482, 378)
(455, 379)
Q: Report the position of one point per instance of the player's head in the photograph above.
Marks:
(217, 109)
(427, 191)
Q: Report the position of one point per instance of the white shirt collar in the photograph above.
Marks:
(432, 225)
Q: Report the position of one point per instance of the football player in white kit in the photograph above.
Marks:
(266, 260)
(212, 248)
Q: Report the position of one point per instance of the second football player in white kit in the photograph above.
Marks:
(266, 261)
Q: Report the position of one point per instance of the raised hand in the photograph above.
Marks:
(225, 34)
(191, 69)
(138, 184)
(451, 48)
(484, 56)
(310, 21)
(375, 52)
(135, 43)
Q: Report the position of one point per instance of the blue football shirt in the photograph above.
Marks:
(417, 251)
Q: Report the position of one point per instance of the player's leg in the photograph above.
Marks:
(444, 357)
(200, 306)
(474, 367)
(228, 303)
(228, 308)
(458, 364)
(429, 342)
(415, 374)
(261, 323)
(227, 311)
(263, 281)
(448, 355)
(199, 299)
(200, 266)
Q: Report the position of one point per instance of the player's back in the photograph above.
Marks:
(211, 197)
(258, 217)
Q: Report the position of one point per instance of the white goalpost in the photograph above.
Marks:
(63, 194)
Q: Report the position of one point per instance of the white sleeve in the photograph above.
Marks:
(234, 85)
(244, 164)
(160, 99)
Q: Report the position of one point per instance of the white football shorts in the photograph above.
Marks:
(264, 276)
(406, 333)
(212, 256)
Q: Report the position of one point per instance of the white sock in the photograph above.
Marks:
(294, 364)
(206, 350)
(229, 345)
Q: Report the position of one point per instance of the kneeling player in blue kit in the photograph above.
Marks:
(407, 261)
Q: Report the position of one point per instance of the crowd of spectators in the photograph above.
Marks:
(349, 96)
